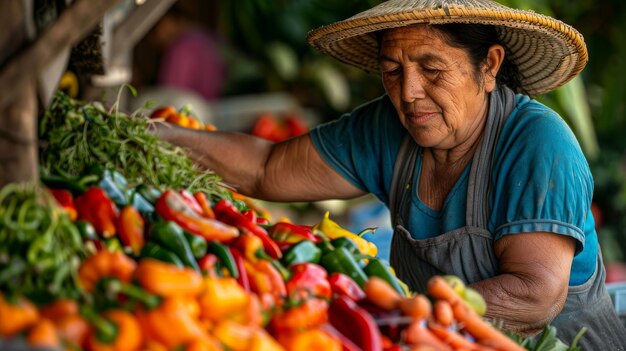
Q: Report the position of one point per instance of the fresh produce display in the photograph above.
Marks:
(182, 117)
(93, 260)
(274, 127)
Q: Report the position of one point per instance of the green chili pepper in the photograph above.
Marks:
(377, 268)
(76, 185)
(169, 235)
(341, 260)
(304, 251)
(152, 250)
(224, 254)
(347, 243)
(198, 244)
(86, 230)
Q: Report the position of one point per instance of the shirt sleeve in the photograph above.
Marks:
(542, 181)
(362, 145)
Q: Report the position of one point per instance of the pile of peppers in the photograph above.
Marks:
(169, 269)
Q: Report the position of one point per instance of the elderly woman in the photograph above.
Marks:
(482, 181)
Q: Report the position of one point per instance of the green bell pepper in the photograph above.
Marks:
(170, 236)
(198, 244)
(304, 251)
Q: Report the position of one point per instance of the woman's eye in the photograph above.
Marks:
(392, 71)
(430, 70)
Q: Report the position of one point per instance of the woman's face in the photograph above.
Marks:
(433, 87)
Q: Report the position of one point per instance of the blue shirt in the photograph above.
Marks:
(541, 181)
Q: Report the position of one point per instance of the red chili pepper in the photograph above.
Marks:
(308, 279)
(172, 207)
(65, 199)
(191, 201)
(242, 279)
(226, 212)
(208, 264)
(341, 284)
(95, 207)
(355, 323)
(292, 233)
(204, 203)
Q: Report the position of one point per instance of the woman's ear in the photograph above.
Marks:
(495, 57)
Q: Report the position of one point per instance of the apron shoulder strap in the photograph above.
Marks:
(402, 177)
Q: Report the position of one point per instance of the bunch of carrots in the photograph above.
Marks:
(442, 321)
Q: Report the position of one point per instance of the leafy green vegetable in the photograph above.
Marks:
(78, 135)
(40, 247)
(548, 341)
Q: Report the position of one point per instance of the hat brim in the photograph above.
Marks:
(547, 52)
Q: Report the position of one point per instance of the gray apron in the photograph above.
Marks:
(468, 252)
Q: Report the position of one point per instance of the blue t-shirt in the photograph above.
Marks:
(540, 179)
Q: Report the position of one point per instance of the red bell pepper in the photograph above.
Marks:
(292, 233)
(226, 212)
(172, 207)
(355, 323)
(95, 207)
(130, 228)
(341, 284)
(65, 199)
(308, 279)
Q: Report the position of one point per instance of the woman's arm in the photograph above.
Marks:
(287, 171)
(532, 284)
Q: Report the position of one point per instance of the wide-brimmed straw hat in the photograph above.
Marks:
(547, 52)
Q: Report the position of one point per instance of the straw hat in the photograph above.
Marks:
(547, 52)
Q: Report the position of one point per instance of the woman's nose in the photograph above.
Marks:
(412, 87)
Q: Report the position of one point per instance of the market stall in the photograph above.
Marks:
(112, 239)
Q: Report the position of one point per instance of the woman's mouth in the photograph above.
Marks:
(419, 118)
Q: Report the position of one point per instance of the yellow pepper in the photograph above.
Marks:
(333, 230)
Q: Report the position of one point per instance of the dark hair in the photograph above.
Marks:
(476, 39)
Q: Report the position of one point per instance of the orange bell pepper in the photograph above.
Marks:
(311, 340)
(166, 279)
(204, 344)
(265, 278)
(43, 334)
(262, 341)
(222, 298)
(171, 324)
(233, 335)
(16, 316)
(105, 264)
(127, 335)
(130, 228)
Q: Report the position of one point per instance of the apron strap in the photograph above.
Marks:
(401, 181)
(501, 104)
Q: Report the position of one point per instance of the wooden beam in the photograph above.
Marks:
(71, 26)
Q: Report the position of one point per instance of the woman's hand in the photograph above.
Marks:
(531, 288)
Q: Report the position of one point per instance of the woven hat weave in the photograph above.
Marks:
(547, 52)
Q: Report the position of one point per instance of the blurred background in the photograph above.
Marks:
(245, 65)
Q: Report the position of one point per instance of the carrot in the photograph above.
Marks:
(440, 289)
(418, 307)
(381, 293)
(417, 335)
(481, 330)
(452, 338)
(43, 334)
(443, 313)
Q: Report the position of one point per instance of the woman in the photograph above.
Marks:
(482, 183)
